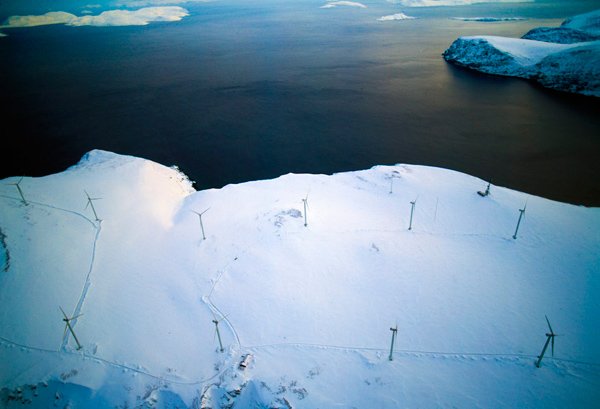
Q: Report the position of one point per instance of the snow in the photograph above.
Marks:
(333, 4)
(438, 3)
(560, 35)
(587, 22)
(489, 19)
(138, 17)
(393, 17)
(559, 61)
(312, 305)
(513, 55)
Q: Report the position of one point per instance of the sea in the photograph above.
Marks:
(241, 91)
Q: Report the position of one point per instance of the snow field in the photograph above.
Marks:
(309, 303)
(524, 52)
(366, 379)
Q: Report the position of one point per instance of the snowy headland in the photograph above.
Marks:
(304, 276)
(565, 58)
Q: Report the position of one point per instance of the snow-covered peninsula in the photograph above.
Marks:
(565, 58)
(304, 276)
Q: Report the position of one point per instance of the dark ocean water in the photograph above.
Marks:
(240, 92)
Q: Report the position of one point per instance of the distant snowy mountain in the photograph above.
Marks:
(304, 277)
(565, 58)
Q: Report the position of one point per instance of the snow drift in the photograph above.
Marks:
(565, 58)
(304, 297)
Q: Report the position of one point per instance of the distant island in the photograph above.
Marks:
(565, 58)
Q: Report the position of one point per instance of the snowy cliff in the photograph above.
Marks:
(303, 296)
(565, 58)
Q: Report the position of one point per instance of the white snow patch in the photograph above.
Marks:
(524, 52)
(436, 3)
(397, 16)
(138, 17)
(333, 4)
(52, 17)
(144, 3)
(489, 19)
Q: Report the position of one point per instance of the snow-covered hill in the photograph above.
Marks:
(565, 58)
(308, 308)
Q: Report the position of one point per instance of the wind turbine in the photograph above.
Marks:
(392, 184)
(217, 333)
(412, 209)
(20, 191)
(305, 200)
(550, 336)
(90, 203)
(487, 191)
(522, 211)
(394, 331)
(201, 224)
(68, 326)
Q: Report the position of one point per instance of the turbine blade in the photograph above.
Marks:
(77, 316)
(549, 326)
(63, 311)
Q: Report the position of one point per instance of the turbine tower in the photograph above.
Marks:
(549, 337)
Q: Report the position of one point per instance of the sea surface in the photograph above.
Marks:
(238, 92)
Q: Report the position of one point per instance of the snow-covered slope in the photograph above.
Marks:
(501, 55)
(559, 35)
(587, 22)
(565, 58)
(578, 29)
(312, 305)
